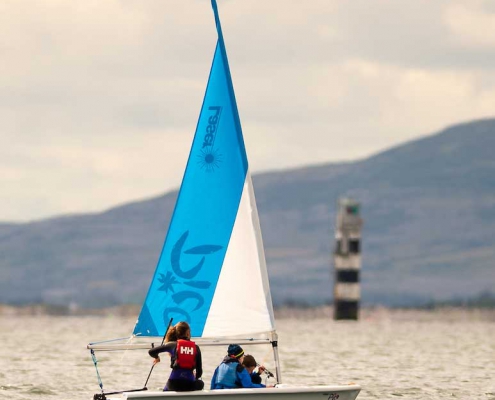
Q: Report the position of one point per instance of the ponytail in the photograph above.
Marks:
(171, 335)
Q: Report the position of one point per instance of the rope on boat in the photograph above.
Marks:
(128, 338)
(266, 371)
(100, 383)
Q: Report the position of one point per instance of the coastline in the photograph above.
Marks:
(378, 313)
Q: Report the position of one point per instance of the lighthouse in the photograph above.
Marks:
(347, 260)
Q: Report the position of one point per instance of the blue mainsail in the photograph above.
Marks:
(201, 226)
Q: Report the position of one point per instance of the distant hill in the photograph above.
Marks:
(429, 231)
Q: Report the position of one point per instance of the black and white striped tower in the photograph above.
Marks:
(347, 260)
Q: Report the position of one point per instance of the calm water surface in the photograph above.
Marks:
(413, 355)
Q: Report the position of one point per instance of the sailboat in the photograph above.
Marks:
(213, 244)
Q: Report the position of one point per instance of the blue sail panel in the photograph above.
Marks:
(198, 237)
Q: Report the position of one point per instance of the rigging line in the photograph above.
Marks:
(102, 396)
(129, 340)
(111, 340)
(95, 362)
(265, 356)
(266, 372)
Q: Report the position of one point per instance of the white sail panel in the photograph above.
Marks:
(242, 303)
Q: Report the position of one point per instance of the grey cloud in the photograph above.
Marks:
(88, 91)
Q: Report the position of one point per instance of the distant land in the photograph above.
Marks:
(484, 312)
(429, 232)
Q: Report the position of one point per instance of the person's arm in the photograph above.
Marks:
(245, 380)
(167, 347)
(199, 363)
(255, 377)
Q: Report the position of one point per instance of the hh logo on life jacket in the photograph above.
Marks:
(186, 354)
(186, 350)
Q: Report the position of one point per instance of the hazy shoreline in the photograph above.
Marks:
(366, 313)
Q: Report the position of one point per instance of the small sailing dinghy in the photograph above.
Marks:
(213, 243)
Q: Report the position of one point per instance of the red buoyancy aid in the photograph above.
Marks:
(185, 356)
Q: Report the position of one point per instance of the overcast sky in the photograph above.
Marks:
(99, 99)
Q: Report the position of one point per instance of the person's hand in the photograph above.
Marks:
(156, 360)
(261, 369)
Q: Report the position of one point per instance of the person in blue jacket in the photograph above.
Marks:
(230, 374)
(250, 364)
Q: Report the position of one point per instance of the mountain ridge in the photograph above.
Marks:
(428, 232)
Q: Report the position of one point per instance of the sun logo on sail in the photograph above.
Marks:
(209, 159)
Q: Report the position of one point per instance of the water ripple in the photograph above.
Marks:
(415, 356)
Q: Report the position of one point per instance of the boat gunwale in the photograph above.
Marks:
(283, 389)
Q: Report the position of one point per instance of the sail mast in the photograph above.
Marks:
(250, 190)
(223, 51)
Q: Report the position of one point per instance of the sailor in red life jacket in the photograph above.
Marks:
(185, 359)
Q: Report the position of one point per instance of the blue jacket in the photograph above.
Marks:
(231, 375)
(255, 377)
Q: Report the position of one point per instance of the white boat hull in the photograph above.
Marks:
(347, 392)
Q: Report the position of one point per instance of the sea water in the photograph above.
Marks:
(392, 354)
